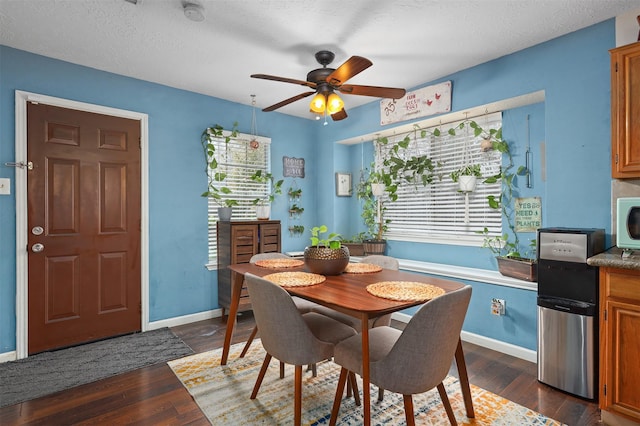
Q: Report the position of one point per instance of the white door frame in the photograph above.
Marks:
(22, 266)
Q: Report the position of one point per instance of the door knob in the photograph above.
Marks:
(37, 247)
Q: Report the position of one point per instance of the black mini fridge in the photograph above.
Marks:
(568, 309)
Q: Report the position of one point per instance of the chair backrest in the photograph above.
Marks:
(421, 357)
(387, 262)
(264, 256)
(284, 334)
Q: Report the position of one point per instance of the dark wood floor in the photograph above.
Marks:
(154, 396)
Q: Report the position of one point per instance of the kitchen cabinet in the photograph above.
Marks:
(237, 242)
(620, 342)
(625, 111)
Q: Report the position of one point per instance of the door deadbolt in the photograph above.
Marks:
(37, 247)
(37, 230)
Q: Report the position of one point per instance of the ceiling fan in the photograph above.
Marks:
(325, 81)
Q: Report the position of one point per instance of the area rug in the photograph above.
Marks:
(50, 372)
(222, 392)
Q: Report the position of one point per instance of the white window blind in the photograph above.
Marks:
(239, 161)
(436, 213)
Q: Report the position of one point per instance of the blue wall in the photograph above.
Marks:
(573, 122)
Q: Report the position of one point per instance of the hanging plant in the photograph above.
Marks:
(215, 188)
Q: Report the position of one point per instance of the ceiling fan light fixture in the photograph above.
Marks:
(318, 103)
(334, 103)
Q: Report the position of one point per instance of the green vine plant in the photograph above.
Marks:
(215, 178)
(421, 169)
(469, 170)
(376, 226)
(507, 244)
(276, 187)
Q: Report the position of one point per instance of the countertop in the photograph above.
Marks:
(612, 258)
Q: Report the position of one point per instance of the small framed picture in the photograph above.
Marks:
(343, 184)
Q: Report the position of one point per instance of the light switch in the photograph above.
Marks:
(5, 186)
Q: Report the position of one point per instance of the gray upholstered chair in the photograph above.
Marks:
(303, 305)
(386, 262)
(411, 361)
(290, 336)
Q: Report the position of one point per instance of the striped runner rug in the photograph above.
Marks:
(222, 392)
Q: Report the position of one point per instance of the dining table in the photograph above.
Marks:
(347, 293)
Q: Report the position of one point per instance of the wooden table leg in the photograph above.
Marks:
(236, 288)
(464, 380)
(366, 388)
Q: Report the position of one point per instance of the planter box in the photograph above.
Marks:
(516, 267)
(355, 249)
(374, 246)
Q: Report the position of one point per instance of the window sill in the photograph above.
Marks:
(452, 271)
(464, 273)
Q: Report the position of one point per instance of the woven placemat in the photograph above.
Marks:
(295, 279)
(404, 291)
(279, 263)
(362, 268)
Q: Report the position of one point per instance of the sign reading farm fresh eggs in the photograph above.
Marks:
(423, 102)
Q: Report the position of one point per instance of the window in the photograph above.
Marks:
(437, 213)
(239, 159)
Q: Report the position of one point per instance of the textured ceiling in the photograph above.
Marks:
(410, 42)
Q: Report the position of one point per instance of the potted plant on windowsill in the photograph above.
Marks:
(263, 204)
(216, 190)
(325, 256)
(506, 247)
(370, 192)
(355, 244)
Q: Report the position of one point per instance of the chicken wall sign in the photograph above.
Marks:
(423, 102)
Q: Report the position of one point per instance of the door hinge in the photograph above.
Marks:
(140, 307)
(616, 67)
(605, 389)
(616, 158)
(605, 314)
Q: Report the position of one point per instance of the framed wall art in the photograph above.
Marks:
(343, 184)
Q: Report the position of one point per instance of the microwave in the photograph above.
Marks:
(628, 223)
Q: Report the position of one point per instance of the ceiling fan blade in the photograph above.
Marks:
(340, 115)
(288, 101)
(375, 91)
(285, 80)
(353, 66)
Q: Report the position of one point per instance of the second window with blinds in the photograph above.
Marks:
(239, 159)
(436, 213)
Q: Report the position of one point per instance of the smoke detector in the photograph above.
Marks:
(193, 11)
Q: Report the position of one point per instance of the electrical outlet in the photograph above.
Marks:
(5, 186)
(498, 306)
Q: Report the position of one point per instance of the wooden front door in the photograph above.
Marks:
(83, 226)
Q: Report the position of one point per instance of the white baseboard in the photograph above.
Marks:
(185, 319)
(486, 342)
(8, 356)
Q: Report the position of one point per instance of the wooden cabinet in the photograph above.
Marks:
(238, 241)
(620, 342)
(625, 111)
